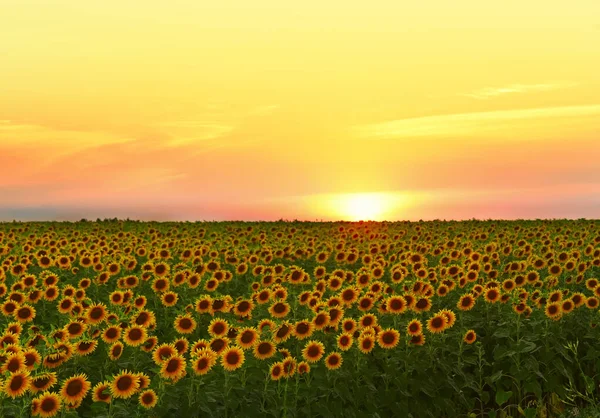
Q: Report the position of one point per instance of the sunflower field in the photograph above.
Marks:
(299, 319)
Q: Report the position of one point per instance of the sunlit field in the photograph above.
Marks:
(297, 319)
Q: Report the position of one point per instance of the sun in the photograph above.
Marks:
(363, 206)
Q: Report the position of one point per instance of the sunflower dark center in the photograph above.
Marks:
(48, 405)
(74, 387)
(232, 358)
(135, 334)
(124, 383)
(264, 348)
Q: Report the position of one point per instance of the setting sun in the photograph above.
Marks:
(363, 206)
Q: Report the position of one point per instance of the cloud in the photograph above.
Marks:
(468, 123)
(490, 92)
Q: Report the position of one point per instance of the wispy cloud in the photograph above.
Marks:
(490, 92)
(466, 123)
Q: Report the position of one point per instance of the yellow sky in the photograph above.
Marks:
(270, 109)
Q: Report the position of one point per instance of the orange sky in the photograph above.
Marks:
(323, 110)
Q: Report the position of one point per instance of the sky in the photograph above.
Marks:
(266, 110)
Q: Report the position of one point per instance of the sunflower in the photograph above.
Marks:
(14, 362)
(591, 302)
(135, 335)
(111, 334)
(75, 329)
(204, 304)
(276, 371)
(553, 310)
(163, 352)
(83, 348)
(95, 313)
(396, 304)
(466, 302)
(349, 325)
(101, 392)
(450, 317)
(169, 298)
(264, 350)
(247, 337)
(173, 368)
(303, 368)
(232, 358)
(417, 339)
(43, 382)
(124, 385)
(16, 384)
(218, 344)
(184, 324)
(115, 350)
(48, 404)
(32, 357)
(388, 338)
(279, 309)
(148, 399)
(321, 320)
(437, 323)
(313, 351)
(218, 327)
(422, 304)
(211, 285)
(181, 345)
(303, 329)
(578, 299)
(367, 320)
(334, 361)
(75, 388)
(24, 313)
(199, 345)
(9, 307)
(52, 361)
(282, 333)
(414, 327)
(144, 318)
(289, 367)
(149, 344)
(243, 308)
(470, 337)
(366, 343)
(349, 295)
(204, 361)
(567, 306)
(344, 341)
(116, 297)
(492, 295)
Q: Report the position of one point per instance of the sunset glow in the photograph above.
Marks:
(190, 110)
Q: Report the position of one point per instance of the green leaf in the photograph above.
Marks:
(502, 396)
(530, 413)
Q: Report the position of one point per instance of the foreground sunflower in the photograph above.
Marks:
(101, 392)
(313, 351)
(47, 405)
(173, 368)
(388, 338)
(43, 382)
(16, 384)
(204, 361)
(124, 385)
(75, 388)
(334, 361)
(148, 399)
(264, 350)
(470, 337)
(437, 323)
(232, 358)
